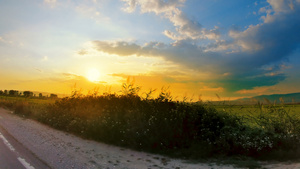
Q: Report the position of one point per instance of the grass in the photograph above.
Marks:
(25, 106)
(178, 129)
(250, 112)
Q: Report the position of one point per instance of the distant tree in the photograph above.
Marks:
(1, 92)
(5, 92)
(27, 94)
(53, 96)
(40, 95)
(13, 93)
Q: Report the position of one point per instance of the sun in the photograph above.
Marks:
(93, 75)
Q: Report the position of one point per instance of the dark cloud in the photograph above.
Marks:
(121, 48)
(238, 83)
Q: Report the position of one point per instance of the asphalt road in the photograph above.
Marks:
(8, 159)
(13, 155)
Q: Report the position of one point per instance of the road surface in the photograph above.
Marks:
(8, 158)
(13, 155)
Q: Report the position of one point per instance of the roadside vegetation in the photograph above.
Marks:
(190, 130)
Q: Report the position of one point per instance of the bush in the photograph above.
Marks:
(166, 126)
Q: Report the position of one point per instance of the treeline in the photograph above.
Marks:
(16, 93)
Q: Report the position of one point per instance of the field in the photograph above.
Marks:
(250, 112)
(10, 99)
(178, 129)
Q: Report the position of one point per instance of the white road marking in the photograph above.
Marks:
(22, 161)
(7, 143)
(25, 164)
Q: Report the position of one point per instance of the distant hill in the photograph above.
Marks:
(278, 98)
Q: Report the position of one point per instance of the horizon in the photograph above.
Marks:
(235, 49)
(155, 95)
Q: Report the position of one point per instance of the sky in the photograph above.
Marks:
(196, 48)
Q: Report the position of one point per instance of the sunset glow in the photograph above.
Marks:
(201, 48)
(93, 75)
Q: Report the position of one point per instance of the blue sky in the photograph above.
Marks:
(197, 47)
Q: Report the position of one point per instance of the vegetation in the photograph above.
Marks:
(180, 129)
(25, 94)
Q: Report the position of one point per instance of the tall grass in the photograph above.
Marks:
(158, 124)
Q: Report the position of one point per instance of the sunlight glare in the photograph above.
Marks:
(93, 75)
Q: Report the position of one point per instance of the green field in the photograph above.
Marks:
(25, 99)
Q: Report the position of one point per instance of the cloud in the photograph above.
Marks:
(39, 70)
(45, 58)
(271, 41)
(240, 83)
(158, 6)
(82, 52)
(259, 91)
(91, 11)
(278, 7)
(243, 58)
(282, 5)
(185, 28)
(51, 3)
(121, 48)
(71, 76)
(211, 89)
(6, 41)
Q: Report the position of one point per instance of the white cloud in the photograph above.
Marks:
(90, 9)
(45, 58)
(185, 28)
(131, 5)
(10, 41)
(91, 12)
(51, 3)
(277, 7)
(156, 6)
(281, 5)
